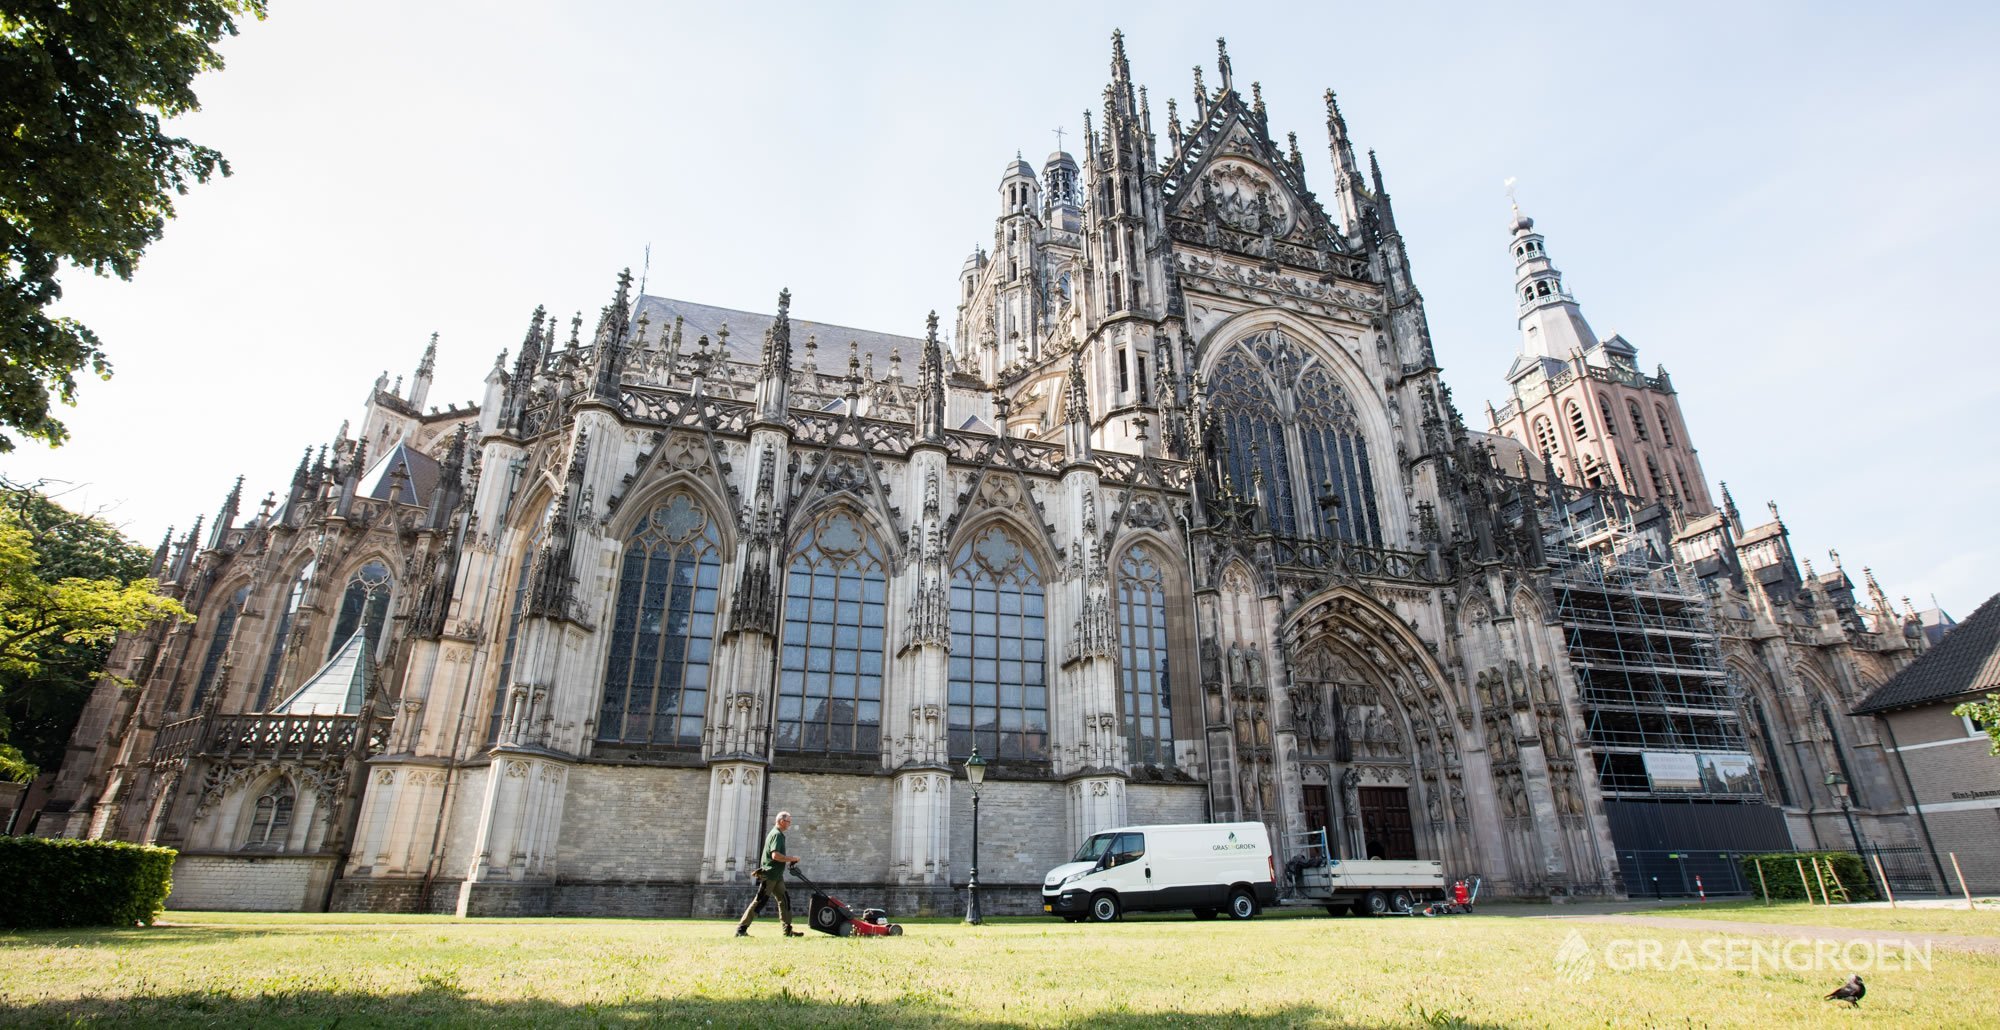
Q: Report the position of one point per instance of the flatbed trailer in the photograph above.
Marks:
(1366, 887)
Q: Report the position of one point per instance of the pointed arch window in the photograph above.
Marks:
(363, 607)
(1144, 684)
(1770, 746)
(271, 818)
(830, 664)
(1579, 427)
(1336, 458)
(274, 663)
(1638, 418)
(1666, 427)
(998, 697)
(517, 604)
(218, 644)
(1610, 421)
(1653, 473)
(1257, 461)
(1545, 437)
(663, 628)
(1840, 753)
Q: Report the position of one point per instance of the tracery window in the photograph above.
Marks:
(663, 629)
(1144, 685)
(998, 697)
(275, 661)
(1254, 432)
(364, 606)
(218, 644)
(1545, 436)
(1336, 459)
(517, 606)
(271, 820)
(830, 665)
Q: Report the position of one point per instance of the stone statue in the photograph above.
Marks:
(1211, 661)
(1239, 670)
(1254, 659)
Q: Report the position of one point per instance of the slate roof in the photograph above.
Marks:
(420, 476)
(1966, 663)
(746, 334)
(339, 686)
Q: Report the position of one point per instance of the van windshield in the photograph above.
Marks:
(1094, 848)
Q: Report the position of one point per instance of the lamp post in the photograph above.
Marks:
(1838, 785)
(975, 774)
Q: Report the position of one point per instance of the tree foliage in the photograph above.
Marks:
(69, 583)
(87, 174)
(1987, 714)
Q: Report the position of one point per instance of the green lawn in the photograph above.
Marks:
(1981, 922)
(220, 969)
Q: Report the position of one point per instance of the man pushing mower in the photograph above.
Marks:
(770, 877)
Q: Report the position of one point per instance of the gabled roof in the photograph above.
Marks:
(1231, 129)
(420, 476)
(1964, 665)
(338, 687)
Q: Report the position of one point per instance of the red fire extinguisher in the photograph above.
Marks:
(1459, 895)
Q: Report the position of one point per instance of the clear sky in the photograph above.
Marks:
(1790, 206)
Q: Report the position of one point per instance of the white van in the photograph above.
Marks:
(1206, 867)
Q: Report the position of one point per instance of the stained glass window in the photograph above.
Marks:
(515, 607)
(275, 661)
(218, 643)
(271, 821)
(1142, 659)
(663, 631)
(830, 665)
(365, 605)
(999, 695)
(1254, 433)
(1336, 458)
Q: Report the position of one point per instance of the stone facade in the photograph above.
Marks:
(1180, 524)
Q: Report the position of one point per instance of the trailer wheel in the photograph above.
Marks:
(1242, 905)
(1339, 910)
(1204, 913)
(1399, 903)
(1104, 908)
(1374, 903)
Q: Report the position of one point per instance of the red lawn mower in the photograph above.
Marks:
(830, 915)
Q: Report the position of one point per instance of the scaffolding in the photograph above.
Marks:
(1645, 652)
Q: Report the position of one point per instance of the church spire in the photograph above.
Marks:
(773, 379)
(1076, 410)
(225, 520)
(612, 326)
(1348, 189)
(420, 386)
(930, 386)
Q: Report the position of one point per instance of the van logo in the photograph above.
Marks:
(1233, 845)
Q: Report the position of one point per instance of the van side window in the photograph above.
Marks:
(1130, 847)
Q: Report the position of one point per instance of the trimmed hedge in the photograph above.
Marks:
(1781, 874)
(57, 881)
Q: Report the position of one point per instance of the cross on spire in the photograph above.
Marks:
(1059, 135)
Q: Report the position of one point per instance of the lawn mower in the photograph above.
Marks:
(1464, 895)
(830, 915)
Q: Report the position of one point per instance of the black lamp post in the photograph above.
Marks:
(975, 774)
(1838, 785)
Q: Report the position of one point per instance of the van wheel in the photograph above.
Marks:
(1374, 903)
(1104, 908)
(1399, 903)
(1204, 913)
(1242, 905)
(1072, 919)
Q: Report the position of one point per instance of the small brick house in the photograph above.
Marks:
(1949, 773)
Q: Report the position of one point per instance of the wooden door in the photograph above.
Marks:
(1386, 830)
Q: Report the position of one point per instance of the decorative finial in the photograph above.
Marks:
(1222, 61)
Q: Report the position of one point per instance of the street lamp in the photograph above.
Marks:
(975, 774)
(1838, 785)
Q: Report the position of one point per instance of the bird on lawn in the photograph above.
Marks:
(1850, 992)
